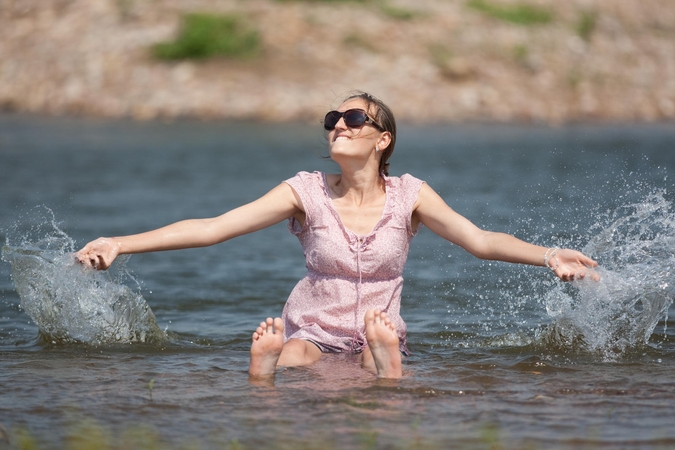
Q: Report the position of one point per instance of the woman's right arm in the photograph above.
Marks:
(278, 204)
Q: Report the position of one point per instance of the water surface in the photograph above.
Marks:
(500, 353)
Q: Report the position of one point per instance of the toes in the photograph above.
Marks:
(278, 325)
(377, 317)
(269, 326)
(388, 323)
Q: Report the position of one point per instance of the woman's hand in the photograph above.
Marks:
(570, 265)
(100, 253)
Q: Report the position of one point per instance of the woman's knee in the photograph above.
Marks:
(298, 352)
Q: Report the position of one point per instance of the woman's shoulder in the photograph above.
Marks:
(406, 181)
(307, 183)
(404, 190)
(306, 177)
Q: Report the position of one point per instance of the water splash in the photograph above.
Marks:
(635, 246)
(70, 303)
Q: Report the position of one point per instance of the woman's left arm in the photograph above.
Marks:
(431, 210)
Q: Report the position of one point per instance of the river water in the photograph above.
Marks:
(503, 356)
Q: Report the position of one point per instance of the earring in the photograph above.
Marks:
(377, 149)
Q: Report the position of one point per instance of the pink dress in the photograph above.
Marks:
(347, 273)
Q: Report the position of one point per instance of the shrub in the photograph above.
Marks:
(521, 13)
(396, 12)
(586, 25)
(208, 35)
(324, 1)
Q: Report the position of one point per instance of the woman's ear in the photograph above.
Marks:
(384, 141)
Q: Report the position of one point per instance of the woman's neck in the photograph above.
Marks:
(357, 186)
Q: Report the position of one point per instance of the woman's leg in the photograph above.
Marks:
(298, 352)
(382, 355)
(268, 349)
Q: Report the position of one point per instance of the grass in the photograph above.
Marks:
(324, 1)
(88, 434)
(391, 11)
(586, 25)
(519, 13)
(351, 401)
(124, 8)
(209, 35)
(454, 68)
(440, 55)
(356, 40)
(574, 77)
(520, 53)
(394, 12)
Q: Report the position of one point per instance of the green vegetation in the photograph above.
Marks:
(440, 55)
(490, 435)
(574, 77)
(453, 67)
(87, 434)
(324, 1)
(351, 401)
(124, 8)
(356, 40)
(520, 53)
(395, 12)
(519, 13)
(23, 440)
(391, 11)
(209, 35)
(586, 25)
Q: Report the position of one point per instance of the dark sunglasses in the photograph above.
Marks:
(354, 118)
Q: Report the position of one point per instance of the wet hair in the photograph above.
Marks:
(384, 118)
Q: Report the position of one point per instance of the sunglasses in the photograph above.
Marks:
(354, 118)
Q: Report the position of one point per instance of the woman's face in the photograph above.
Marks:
(361, 141)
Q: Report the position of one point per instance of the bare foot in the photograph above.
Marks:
(383, 343)
(268, 339)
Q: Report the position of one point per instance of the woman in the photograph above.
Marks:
(355, 228)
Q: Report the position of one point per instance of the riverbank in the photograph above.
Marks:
(431, 60)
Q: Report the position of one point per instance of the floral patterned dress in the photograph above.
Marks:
(347, 273)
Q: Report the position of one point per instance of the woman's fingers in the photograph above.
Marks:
(98, 254)
(571, 265)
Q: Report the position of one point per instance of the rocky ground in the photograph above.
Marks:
(431, 60)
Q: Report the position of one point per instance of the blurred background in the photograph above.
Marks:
(438, 61)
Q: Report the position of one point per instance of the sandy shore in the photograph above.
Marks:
(431, 60)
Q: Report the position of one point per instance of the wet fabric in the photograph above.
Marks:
(348, 273)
